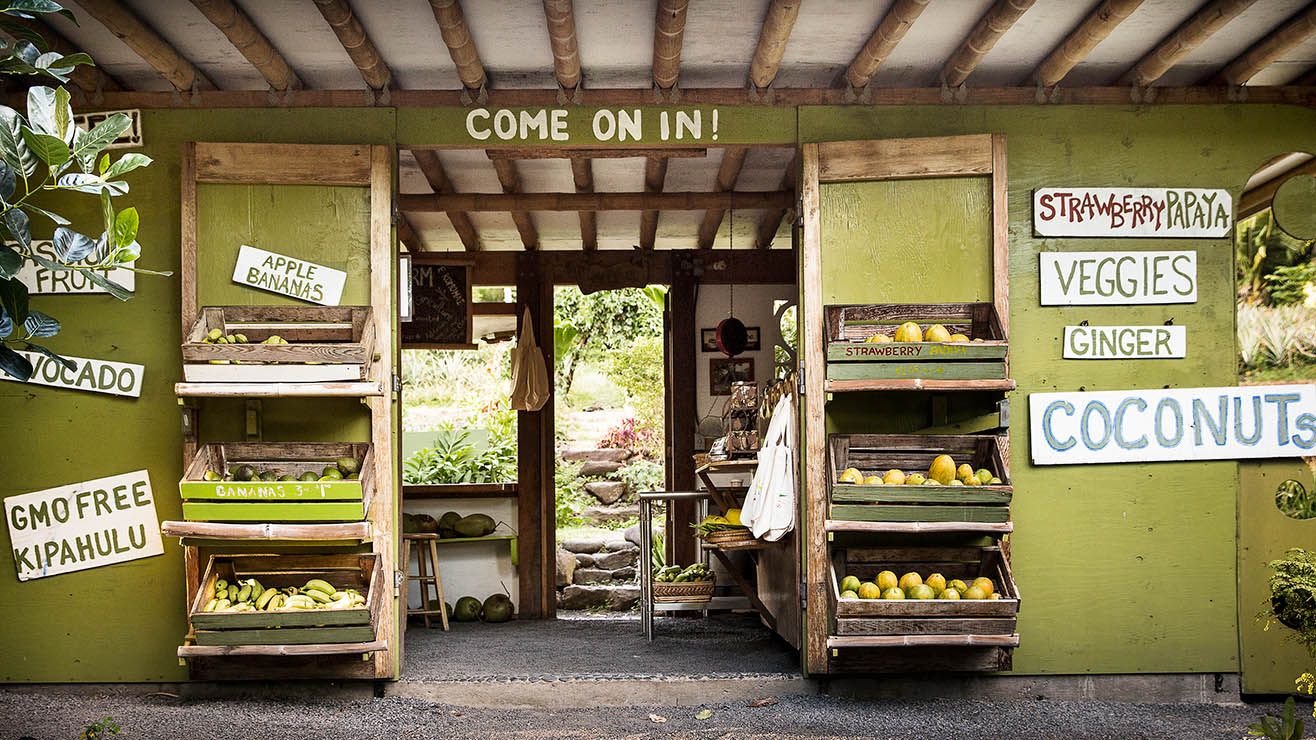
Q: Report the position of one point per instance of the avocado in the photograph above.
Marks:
(467, 609)
(475, 525)
(331, 472)
(211, 475)
(308, 477)
(242, 472)
(287, 477)
(348, 465)
(268, 475)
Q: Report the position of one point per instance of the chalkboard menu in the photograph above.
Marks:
(440, 307)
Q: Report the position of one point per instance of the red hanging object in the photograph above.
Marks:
(731, 336)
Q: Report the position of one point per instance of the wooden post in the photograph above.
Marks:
(532, 485)
(352, 35)
(682, 402)
(461, 47)
(561, 19)
(148, 44)
(668, 36)
(813, 492)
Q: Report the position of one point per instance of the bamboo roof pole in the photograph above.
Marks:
(510, 179)
(604, 201)
(1080, 42)
(88, 79)
(733, 160)
(1269, 48)
(767, 230)
(461, 46)
(989, 29)
(890, 30)
(148, 45)
(250, 43)
(668, 37)
(655, 176)
(432, 169)
(561, 19)
(582, 172)
(338, 14)
(1201, 26)
(774, 34)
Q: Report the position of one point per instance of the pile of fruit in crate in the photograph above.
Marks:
(913, 586)
(716, 523)
(912, 332)
(347, 468)
(248, 595)
(942, 472)
(696, 573)
(449, 526)
(217, 336)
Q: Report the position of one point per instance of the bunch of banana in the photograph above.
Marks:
(249, 595)
(236, 597)
(217, 336)
(714, 523)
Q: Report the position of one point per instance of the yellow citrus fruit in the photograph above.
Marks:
(852, 475)
(909, 332)
(936, 333)
(873, 480)
(984, 476)
(931, 482)
(894, 477)
(965, 473)
(957, 482)
(849, 595)
(995, 482)
(915, 479)
(958, 338)
(937, 581)
(878, 339)
(887, 580)
(949, 594)
(985, 584)
(850, 583)
(958, 585)
(974, 594)
(910, 580)
(893, 593)
(994, 596)
(922, 592)
(869, 591)
(942, 469)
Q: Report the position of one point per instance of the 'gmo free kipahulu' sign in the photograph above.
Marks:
(1133, 212)
(279, 273)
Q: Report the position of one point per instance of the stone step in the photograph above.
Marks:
(614, 597)
(611, 455)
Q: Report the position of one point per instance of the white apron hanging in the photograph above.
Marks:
(530, 389)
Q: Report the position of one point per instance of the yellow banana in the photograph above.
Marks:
(210, 605)
(244, 593)
(316, 584)
(265, 598)
(317, 595)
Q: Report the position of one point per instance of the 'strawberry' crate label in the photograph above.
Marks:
(83, 525)
(1125, 342)
(1117, 278)
(1173, 424)
(95, 376)
(1133, 212)
(279, 273)
(44, 281)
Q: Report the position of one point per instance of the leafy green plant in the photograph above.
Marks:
(100, 729)
(586, 326)
(1292, 284)
(455, 458)
(632, 434)
(1260, 247)
(643, 475)
(1274, 337)
(1294, 500)
(570, 497)
(1285, 727)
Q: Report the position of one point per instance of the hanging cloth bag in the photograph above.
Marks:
(769, 509)
(530, 388)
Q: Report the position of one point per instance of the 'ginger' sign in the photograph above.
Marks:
(1133, 212)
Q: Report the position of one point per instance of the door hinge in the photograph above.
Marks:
(799, 213)
(397, 383)
(800, 381)
(1003, 409)
(399, 578)
(804, 596)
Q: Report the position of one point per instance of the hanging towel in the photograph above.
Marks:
(530, 388)
(770, 504)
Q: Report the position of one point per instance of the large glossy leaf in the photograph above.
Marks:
(8, 182)
(13, 149)
(41, 104)
(66, 362)
(40, 325)
(14, 365)
(127, 253)
(48, 264)
(64, 127)
(16, 223)
(87, 145)
(111, 287)
(13, 296)
(70, 246)
(13, 7)
(6, 323)
(10, 262)
(49, 149)
(127, 163)
(84, 183)
(125, 227)
(48, 214)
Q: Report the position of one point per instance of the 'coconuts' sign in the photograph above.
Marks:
(1133, 212)
(96, 376)
(278, 273)
(1117, 278)
(1125, 342)
(1173, 424)
(83, 525)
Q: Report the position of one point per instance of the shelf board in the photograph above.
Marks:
(717, 602)
(918, 384)
(345, 648)
(861, 641)
(839, 525)
(356, 389)
(350, 531)
(460, 490)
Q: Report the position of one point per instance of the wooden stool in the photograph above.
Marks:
(425, 548)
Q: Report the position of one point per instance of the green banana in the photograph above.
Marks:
(210, 605)
(222, 604)
(265, 598)
(316, 584)
(244, 594)
(221, 583)
(318, 596)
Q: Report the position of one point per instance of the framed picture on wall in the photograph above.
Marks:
(708, 340)
(752, 339)
(722, 372)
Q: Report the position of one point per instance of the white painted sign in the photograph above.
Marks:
(278, 273)
(83, 525)
(42, 281)
(1125, 342)
(404, 287)
(1133, 212)
(1117, 278)
(96, 376)
(1173, 425)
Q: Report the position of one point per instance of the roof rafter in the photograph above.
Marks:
(250, 42)
(607, 201)
(767, 230)
(461, 45)
(149, 45)
(561, 18)
(582, 174)
(989, 29)
(1201, 26)
(668, 38)
(1080, 42)
(352, 35)
(1269, 48)
(733, 160)
(510, 179)
(774, 34)
(890, 30)
(655, 176)
(432, 169)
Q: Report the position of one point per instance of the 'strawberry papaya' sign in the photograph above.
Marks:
(95, 376)
(278, 273)
(83, 525)
(1117, 278)
(1133, 212)
(1173, 424)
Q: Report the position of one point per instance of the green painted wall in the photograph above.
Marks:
(1123, 568)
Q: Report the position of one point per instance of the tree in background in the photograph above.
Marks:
(587, 326)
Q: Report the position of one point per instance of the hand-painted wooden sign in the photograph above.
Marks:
(83, 525)
(1133, 212)
(96, 376)
(573, 124)
(41, 281)
(1117, 278)
(441, 310)
(1173, 425)
(278, 273)
(1125, 342)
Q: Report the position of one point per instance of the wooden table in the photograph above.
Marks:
(724, 496)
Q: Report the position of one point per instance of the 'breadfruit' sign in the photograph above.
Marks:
(1133, 212)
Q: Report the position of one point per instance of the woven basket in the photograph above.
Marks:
(695, 591)
(729, 535)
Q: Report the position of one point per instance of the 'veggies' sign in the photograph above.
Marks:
(96, 376)
(1178, 424)
(41, 280)
(83, 525)
(1117, 278)
(289, 276)
(1132, 212)
(1125, 342)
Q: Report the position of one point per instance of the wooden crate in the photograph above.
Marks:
(333, 343)
(877, 453)
(851, 357)
(362, 571)
(275, 501)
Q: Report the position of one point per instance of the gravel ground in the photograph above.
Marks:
(63, 714)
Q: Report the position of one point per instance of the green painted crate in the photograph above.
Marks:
(275, 501)
(361, 571)
(850, 356)
(874, 454)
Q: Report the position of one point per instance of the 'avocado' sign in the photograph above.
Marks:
(96, 376)
(83, 525)
(278, 273)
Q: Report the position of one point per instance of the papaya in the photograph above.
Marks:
(942, 469)
(475, 525)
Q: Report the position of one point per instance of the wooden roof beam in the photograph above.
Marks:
(774, 34)
(1308, 78)
(655, 176)
(609, 201)
(88, 79)
(408, 236)
(148, 45)
(733, 160)
(582, 172)
(668, 37)
(352, 35)
(250, 42)
(1269, 48)
(558, 153)
(432, 169)
(1080, 42)
(890, 30)
(510, 179)
(989, 29)
(561, 18)
(1201, 26)
(461, 45)
(767, 230)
